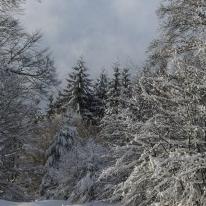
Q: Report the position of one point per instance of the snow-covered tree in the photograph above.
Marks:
(126, 88)
(126, 82)
(78, 92)
(15, 126)
(168, 126)
(26, 74)
(114, 129)
(183, 33)
(114, 92)
(171, 170)
(100, 95)
(62, 143)
(173, 141)
(71, 165)
(9, 4)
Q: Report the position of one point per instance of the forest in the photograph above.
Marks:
(129, 138)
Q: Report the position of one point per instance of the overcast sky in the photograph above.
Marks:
(103, 31)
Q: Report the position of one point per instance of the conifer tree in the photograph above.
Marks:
(114, 92)
(78, 93)
(100, 95)
(63, 142)
(113, 125)
(126, 88)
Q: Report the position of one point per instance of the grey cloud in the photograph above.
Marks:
(103, 31)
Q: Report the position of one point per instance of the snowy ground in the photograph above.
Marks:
(46, 203)
(42, 203)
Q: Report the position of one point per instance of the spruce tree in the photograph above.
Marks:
(126, 89)
(63, 142)
(100, 95)
(78, 93)
(113, 123)
(114, 92)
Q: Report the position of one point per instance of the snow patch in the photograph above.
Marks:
(48, 203)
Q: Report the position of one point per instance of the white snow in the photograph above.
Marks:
(47, 203)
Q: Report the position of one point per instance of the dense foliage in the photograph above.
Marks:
(136, 139)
